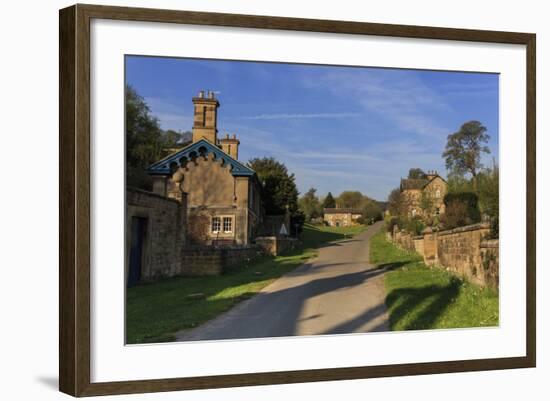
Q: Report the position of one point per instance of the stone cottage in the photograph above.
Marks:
(424, 196)
(223, 194)
(341, 217)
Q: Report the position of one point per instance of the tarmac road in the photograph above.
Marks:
(337, 292)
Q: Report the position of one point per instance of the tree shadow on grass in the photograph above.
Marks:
(410, 310)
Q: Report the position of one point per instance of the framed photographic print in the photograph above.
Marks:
(250, 200)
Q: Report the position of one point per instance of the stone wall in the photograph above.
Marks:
(164, 233)
(203, 261)
(276, 245)
(463, 250)
(460, 251)
(165, 252)
(490, 262)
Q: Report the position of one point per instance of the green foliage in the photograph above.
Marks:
(371, 211)
(417, 173)
(487, 185)
(391, 221)
(422, 298)
(350, 199)
(414, 225)
(309, 204)
(396, 203)
(457, 184)
(143, 140)
(427, 203)
(487, 190)
(279, 192)
(329, 202)
(461, 209)
(174, 139)
(463, 150)
(456, 215)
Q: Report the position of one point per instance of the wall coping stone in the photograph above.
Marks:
(463, 229)
(489, 243)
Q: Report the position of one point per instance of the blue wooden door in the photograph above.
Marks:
(136, 250)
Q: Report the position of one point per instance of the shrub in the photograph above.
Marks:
(391, 221)
(456, 215)
(461, 208)
(414, 226)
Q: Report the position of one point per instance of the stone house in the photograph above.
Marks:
(424, 196)
(219, 189)
(341, 217)
(155, 235)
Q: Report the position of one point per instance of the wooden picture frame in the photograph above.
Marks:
(74, 204)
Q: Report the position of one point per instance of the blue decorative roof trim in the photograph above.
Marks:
(162, 167)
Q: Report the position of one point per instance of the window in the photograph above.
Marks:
(227, 224)
(437, 193)
(216, 224)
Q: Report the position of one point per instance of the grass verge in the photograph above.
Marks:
(156, 311)
(422, 298)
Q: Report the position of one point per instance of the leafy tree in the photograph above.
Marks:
(463, 151)
(329, 202)
(426, 203)
(416, 173)
(456, 215)
(395, 202)
(488, 194)
(310, 205)
(144, 140)
(279, 192)
(372, 211)
(174, 139)
(350, 199)
(461, 208)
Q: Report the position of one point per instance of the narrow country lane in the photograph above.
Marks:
(337, 292)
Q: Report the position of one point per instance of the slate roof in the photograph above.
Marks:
(417, 183)
(413, 183)
(164, 166)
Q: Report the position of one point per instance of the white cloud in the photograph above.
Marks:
(400, 98)
(288, 116)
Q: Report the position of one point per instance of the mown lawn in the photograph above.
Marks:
(422, 298)
(156, 311)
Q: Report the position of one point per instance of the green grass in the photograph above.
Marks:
(156, 311)
(422, 298)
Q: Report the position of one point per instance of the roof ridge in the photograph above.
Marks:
(162, 166)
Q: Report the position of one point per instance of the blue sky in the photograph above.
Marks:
(336, 128)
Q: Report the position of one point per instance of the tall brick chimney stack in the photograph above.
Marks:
(206, 116)
(231, 146)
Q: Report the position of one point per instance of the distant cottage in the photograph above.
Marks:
(341, 217)
(423, 197)
(215, 185)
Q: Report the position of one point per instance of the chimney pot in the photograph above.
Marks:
(201, 94)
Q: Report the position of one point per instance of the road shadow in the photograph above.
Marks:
(277, 313)
(437, 298)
